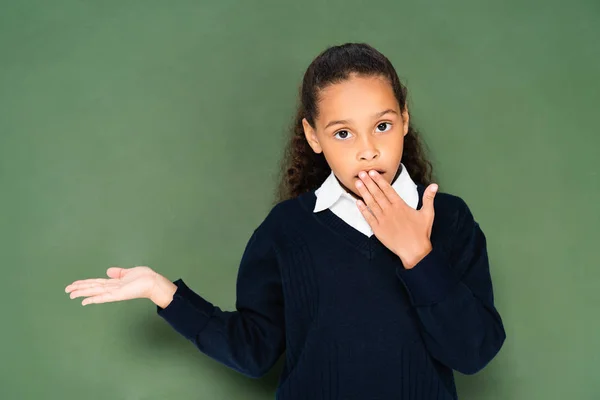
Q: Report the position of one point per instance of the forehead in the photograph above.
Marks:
(356, 97)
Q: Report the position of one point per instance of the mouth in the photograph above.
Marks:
(380, 171)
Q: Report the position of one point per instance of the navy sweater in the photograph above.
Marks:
(354, 323)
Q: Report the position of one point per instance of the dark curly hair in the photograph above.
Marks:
(302, 169)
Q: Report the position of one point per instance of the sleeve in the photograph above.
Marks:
(452, 294)
(250, 339)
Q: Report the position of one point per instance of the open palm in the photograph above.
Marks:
(124, 284)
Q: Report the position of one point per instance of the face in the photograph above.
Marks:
(359, 128)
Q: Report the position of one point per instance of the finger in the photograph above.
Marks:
(79, 286)
(368, 198)
(102, 298)
(428, 199)
(375, 191)
(115, 272)
(87, 292)
(388, 191)
(85, 284)
(371, 220)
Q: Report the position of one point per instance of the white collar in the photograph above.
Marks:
(331, 191)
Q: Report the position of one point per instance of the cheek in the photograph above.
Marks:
(336, 159)
(394, 150)
(395, 142)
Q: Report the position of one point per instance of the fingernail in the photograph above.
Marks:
(373, 173)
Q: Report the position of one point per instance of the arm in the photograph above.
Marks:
(250, 339)
(453, 298)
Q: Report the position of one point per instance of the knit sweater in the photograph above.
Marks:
(353, 322)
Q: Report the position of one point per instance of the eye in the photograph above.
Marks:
(384, 124)
(343, 133)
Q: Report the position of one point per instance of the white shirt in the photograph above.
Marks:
(333, 196)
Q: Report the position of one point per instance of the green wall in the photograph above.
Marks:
(149, 133)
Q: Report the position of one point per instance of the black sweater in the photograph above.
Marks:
(354, 323)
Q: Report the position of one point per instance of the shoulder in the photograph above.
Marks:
(293, 208)
(284, 213)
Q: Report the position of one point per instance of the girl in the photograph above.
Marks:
(375, 286)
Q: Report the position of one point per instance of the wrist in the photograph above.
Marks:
(411, 260)
(162, 291)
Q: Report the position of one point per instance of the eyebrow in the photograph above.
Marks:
(347, 121)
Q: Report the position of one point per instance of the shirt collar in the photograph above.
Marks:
(331, 191)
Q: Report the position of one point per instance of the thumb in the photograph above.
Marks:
(428, 197)
(116, 272)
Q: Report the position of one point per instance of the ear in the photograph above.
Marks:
(311, 136)
(405, 119)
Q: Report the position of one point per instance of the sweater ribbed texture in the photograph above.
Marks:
(351, 321)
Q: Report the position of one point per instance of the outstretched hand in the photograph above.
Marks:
(401, 228)
(125, 284)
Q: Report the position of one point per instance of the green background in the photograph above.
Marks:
(149, 133)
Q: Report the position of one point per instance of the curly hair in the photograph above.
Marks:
(302, 169)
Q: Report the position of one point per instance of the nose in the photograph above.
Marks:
(367, 150)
